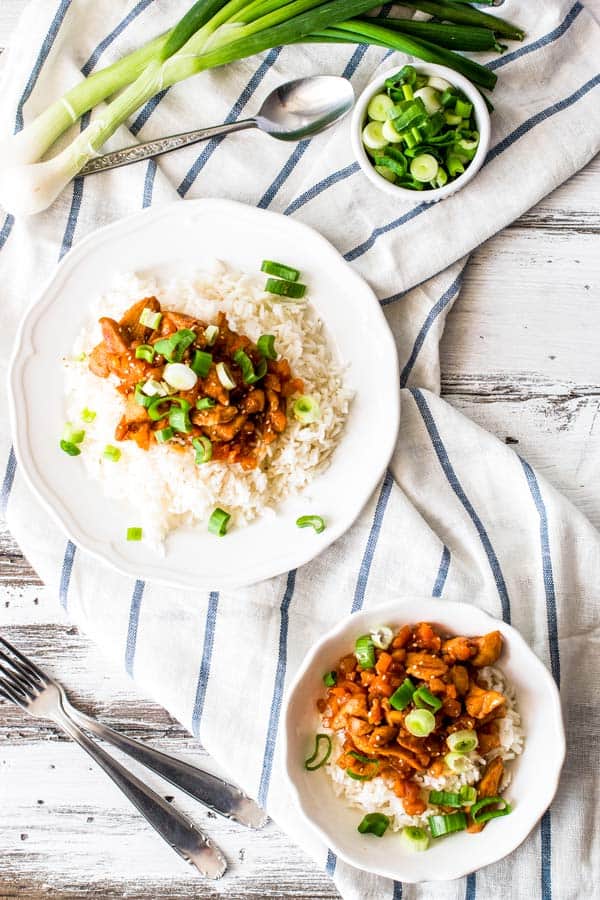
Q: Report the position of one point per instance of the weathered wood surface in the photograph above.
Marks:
(520, 357)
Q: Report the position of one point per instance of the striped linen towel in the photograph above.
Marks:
(459, 515)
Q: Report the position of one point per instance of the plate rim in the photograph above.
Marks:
(46, 494)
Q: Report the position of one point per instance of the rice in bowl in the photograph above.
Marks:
(165, 487)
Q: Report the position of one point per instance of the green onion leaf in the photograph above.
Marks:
(218, 522)
(203, 448)
(420, 722)
(374, 823)
(112, 453)
(201, 363)
(501, 810)
(441, 825)
(179, 420)
(245, 363)
(141, 398)
(423, 698)
(211, 333)
(463, 741)
(205, 403)
(149, 318)
(329, 679)
(313, 762)
(145, 352)
(266, 346)
(72, 435)
(382, 637)
(414, 838)
(445, 798)
(306, 410)
(163, 435)
(292, 289)
(316, 522)
(279, 270)
(174, 346)
(158, 407)
(88, 415)
(70, 448)
(403, 695)
(364, 650)
(134, 534)
(467, 794)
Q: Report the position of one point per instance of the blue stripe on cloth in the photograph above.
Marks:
(114, 34)
(149, 184)
(233, 114)
(146, 111)
(269, 753)
(546, 855)
(503, 145)
(397, 895)
(547, 571)
(207, 649)
(456, 486)
(365, 566)
(471, 887)
(434, 312)
(541, 42)
(67, 241)
(442, 574)
(132, 628)
(65, 575)
(41, 59)
(331, 863)
(7, 482)
(321, 186)
(6, 229)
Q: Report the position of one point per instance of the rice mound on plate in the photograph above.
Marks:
(165, 487)
(375, 796)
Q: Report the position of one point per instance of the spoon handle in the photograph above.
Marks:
(137, 152)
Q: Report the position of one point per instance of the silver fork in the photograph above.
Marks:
(24, 684)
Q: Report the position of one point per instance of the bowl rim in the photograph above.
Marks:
(435, 610)
(482, 117)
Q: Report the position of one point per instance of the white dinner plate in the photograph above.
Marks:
(184, 237)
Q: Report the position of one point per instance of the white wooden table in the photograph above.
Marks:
(519, 356)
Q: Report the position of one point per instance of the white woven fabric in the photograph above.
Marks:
(460, 516)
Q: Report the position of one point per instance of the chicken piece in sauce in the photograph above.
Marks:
(241, 422)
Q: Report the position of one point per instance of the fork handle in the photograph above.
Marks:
(187, 840)
(213, 792)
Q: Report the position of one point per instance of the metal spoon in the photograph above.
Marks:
(295, 110)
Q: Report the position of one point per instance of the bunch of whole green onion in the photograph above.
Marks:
(215, 32)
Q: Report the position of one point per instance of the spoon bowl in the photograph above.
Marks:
(306, 106)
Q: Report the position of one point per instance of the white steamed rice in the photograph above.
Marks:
(165, 487)
(375, 796)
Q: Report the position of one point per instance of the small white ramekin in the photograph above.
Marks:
(482, 118)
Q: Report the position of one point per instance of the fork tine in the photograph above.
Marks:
(15, 681)
(12, 694)
(15, 665)
(25, 662)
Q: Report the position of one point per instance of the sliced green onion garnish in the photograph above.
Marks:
(203, 448)
(364, 650)
(201, 363)
(379, 107)
(174, 346)
(467, 794)
(478, 816)
(403, 695)
(463, 741)
(158, 407)
(316, 522)
(279, 270)
(205, 403)
(441, 825)
(363, 759)
(149, 318)
(154, 388)
(112, 453)
(424, 167)
(180, 376)
(70, 448)
(420, 722)
(293, 289)
(88, 415)
(374, 823)
(266, 346)
(457, 762)
(382, 637)
(414, 838)
(307, 410)
(357, 776)
(445, 798)
(224, 376)
(163, 435)
(329, 679)
(179, 420)
(319, 756)
(134, 534)
(218, 522)
(81, 357)
(249, 375)
(211, 333)
(141, 398)
(423, 698)
(463, 109)
(145, 352)
(73, 435)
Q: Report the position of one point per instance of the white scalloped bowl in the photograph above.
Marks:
(535, 773)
